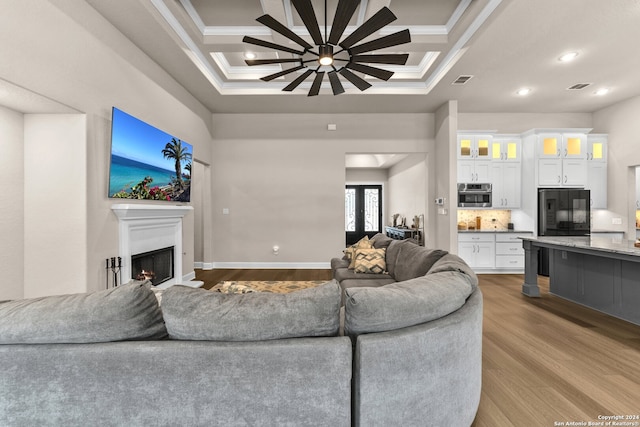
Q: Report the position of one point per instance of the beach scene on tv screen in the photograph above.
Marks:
(147, 163)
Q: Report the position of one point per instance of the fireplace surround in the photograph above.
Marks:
(145, 228)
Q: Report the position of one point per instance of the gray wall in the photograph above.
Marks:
(282, 178)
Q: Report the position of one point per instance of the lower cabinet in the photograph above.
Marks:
(492, 252)
(477, 249)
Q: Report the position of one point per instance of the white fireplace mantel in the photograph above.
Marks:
(144, 228)
(135, 211)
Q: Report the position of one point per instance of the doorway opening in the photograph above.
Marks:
(363, 212)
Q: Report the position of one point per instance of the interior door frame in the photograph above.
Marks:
(352, 237)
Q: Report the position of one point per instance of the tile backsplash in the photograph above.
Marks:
(490, 219)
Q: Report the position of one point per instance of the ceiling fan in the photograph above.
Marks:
(349, 57)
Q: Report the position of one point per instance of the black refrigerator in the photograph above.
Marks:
(562, 212)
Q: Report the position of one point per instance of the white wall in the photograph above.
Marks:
(55, 204)
(11, 205)
(407, 189)
(65, 51)
(621, 122)
(282, 178)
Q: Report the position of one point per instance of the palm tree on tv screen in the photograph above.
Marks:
(175, 150)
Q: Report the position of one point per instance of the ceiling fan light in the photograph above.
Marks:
(326, 54)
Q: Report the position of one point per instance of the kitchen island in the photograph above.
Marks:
(602, 273)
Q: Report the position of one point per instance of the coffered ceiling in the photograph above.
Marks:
(502, 44)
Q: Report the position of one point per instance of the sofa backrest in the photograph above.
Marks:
(454, 263)
(405, 260)
(127, 312)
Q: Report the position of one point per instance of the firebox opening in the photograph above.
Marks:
(156, 266)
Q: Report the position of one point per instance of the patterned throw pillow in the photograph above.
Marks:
(363, 243)
(370, 261)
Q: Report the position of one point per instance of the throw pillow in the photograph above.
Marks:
(363, 243)
(370, 261)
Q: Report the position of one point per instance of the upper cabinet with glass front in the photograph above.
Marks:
(474, 147)
(506, 149)
(562, 146)
(597, 147)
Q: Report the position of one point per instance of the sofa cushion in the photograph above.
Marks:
(380, 241)
(370, 261)
(347, 274)
(404, 304)
(451, 262)
(199, 314)
(413, 261)
(337, 263)
(127, 312)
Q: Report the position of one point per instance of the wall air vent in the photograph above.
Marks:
(578, 86)
(461, 80)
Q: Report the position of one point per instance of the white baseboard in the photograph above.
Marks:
(269, 265)
(203, 265)
(189, 276)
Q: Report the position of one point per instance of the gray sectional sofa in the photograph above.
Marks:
(410, 355)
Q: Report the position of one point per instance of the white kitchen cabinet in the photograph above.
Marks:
(562, 159)
(597, 170)
(509, 251)
(474, 158)
(474, 171)
(597, 184)
(506, 178)
(506, 149)
(564, 145)
(476, 147)
(477, 249)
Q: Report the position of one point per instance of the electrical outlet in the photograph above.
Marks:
(616, 221)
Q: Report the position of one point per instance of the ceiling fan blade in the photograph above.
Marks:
(281, 73)
(344, 12)
(381, 18)
(294, 84)
(356, 80)
(270, 61)
(394, 39)
(315, 86)
(258, 42)
(276, 26)
(395, 59)
(308, 16)
(336, 85)
(375, 72)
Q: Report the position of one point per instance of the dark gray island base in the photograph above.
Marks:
(597, 272)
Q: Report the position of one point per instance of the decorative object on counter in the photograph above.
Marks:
(416, 222)
(462, 225)
(395, 219)
(478, 222)
(491, 219)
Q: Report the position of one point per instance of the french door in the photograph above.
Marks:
(362, 211)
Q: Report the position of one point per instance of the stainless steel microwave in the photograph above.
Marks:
(474, 195)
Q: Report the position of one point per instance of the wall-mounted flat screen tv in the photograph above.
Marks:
(146, 162)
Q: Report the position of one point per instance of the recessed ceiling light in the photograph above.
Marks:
(249, 55)
(602, 91)
(568, 57)
(524, 91)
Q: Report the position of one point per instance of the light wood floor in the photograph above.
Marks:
(545, 360)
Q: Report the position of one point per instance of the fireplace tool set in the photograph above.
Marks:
(115, 270)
